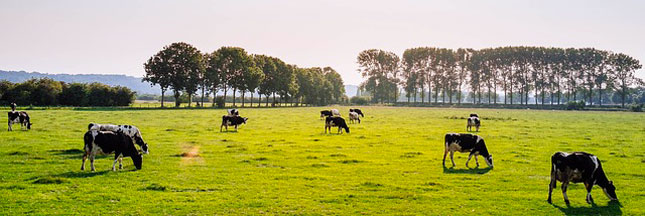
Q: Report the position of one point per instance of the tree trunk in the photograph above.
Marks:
(243, 92)
(177, 103)
(259, 99)
(202, 97)
(163, 92)
(190, 99)
(267, 100)
(234, 90)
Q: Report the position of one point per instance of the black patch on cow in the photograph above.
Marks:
(357, 111)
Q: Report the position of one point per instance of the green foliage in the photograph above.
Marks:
(576, 105)
(359, 100)
(636, 107)
(47, 92)
(220, 101)
(281, 162)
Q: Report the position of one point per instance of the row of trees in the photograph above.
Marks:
(48, 92)
(182, 68)
(550, 75)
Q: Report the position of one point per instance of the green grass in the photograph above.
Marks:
(282, 163)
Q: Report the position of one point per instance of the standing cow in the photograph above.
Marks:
(357, 111)
(579, 167)
(107, 142)
(473, 121)
(466, 143)
(130, 130)
(15, 117)
(336, 121)
(353, 116)
(232, 120)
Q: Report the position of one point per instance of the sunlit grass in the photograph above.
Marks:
(281, 162)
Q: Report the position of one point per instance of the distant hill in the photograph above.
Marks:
(131, 82)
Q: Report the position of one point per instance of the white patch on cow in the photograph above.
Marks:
(454, 146)
(335, 112)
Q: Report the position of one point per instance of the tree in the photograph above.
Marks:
(381, 68)
(232, 62)
(268, 85)
(74, 94)
(158, 70)
(251, 79)
(212, 75)
(624, 67)
(336, 82)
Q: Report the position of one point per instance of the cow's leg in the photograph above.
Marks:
(92, 161)
(445, 152)
(9, 128)
(116, 159)
(452, 153)
(121, 162)
(469, 157)
(589, 186)
(340, 131)
(235, 127)
(84, 158)
(552, 185)
(477, 127)
(476, 161)
(564, 192)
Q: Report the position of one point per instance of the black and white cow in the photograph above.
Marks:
(353, 116)
(232, 120)
(336, 121)
(466, 143)
(357, 111)
(579, 167)
(325, 113)
(473, 121)
(20, 117)
(474, 115)
(233, 112)
(130, 130)
(108, 142)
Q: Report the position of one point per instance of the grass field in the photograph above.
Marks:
(282, 163)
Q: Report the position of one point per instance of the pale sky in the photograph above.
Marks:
(117, 37)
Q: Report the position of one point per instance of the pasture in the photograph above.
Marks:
(282, 163)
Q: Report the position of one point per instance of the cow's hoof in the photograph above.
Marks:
(567, 202)
(549, 201)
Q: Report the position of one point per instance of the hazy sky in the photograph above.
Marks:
(117, 37)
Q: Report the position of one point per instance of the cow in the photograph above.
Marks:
(130, 130)
(357, 111)
(579, 167)
(336, 121)
(466, 143)
(353, 116)
(108, 142)
(325, 113)
(233, 112)
(474, 115)
(473, 121)
(335, 112)
(232, 120)
(16, 117)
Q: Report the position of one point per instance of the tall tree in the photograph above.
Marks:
(233, 62)
(380, 67)
(624, 67)
(158, 69)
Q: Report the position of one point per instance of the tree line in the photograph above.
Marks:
(183, 69)
(548, 74)
(48, 92)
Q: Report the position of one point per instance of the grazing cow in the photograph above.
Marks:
(233, 112)
(473, 121)
(353, 116)
(232, 120)
(579, 167)
(466, 143)
(357, 111)
(336, 121)
(325, 113)
(107, 142)
(16, 117)
(129, 130)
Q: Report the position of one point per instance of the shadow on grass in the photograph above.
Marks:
(228, 131)
(467, 171)
(67, 151)
(612, 208)
(82, 174)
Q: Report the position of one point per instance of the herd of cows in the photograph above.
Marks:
(566, 168)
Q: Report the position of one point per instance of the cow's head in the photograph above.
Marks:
(29, 125)
(139, 141)
(13, 106)
(610, 191)
(245, 120)
(137, 160)
(489, 160)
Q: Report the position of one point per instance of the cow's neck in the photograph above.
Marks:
(601, 178)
